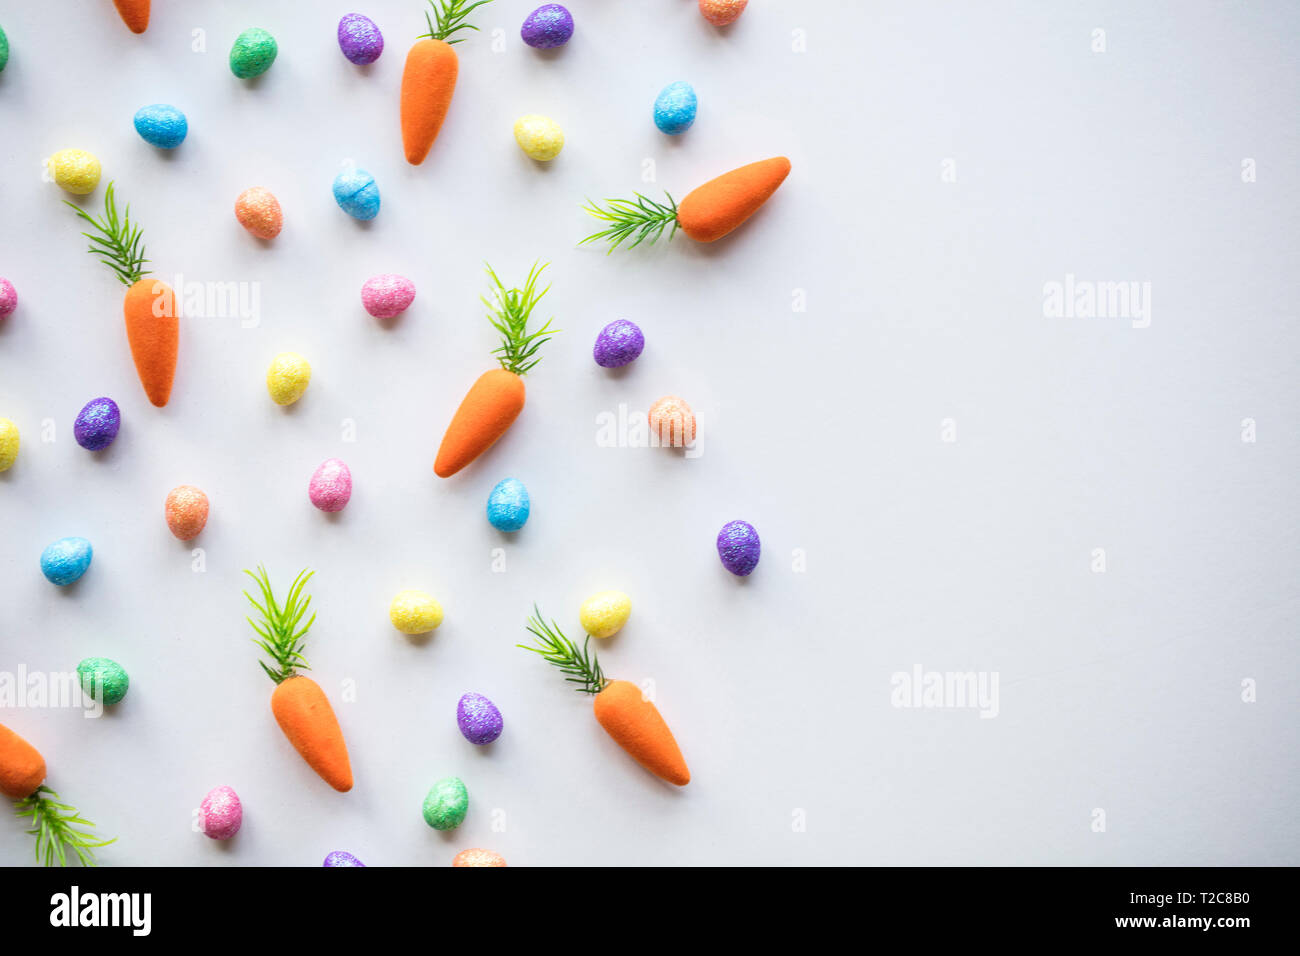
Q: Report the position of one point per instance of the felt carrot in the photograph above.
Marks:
(152, 326)
(429, 78)
(497, 398)
(707, 213)
(620, 706)
(56, 826)
(134, 13)
(300, 706)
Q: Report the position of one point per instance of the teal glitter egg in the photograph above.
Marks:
(253, 53)
(66, 560)
(357, 194)
(675, 108)
(103, 679)
(446, 804)
(161, 125)
(508, 505)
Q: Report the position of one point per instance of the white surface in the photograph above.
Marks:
(1119, 691)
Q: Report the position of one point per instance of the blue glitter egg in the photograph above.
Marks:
(549, 26)
(508, 505)
(161, 125)
(618, 344)
(342, 858)
(675, 108)
(357, 193)
(97, 424)
(66, 560)
(739, 547)
(359, 39)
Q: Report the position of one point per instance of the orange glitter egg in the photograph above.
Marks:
(672, 422)
(186, 511)
(722, 12)
(259, 212)
(478, 857)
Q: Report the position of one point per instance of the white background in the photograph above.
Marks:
(1120, 690)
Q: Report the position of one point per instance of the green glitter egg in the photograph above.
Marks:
(103, 679)
(253, 53)
(4, 48)
(446, 804)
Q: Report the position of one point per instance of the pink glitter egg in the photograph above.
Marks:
(331, 485)
(672, 422)
(387, 295)
(722, 12)
(259, 212)
(8, 297)
(222, 813)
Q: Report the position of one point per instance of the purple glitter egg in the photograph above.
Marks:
(97, 424)
(618, 343)
(739, 547)
(550, 25)
(331, 485)
(222, 813)
(359, 39)
(478, 718)
(342, 858)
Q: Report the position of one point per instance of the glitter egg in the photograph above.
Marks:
(672, 422)
(8, 443)
(8, 298)
(342, 857)
(539, 136)
(739, 547)
(186, 511)
(604, 613)
(75, 171)
(253, 53)
(722, 12)
(357, 194)
(618, 343)
(388, 295)
(66, 560)
(103, 679)
(259, 212)
(478, 857)
(508, 505)
(550, 25)
(97, 423)
(4, 49)
(331, 485)
(287, 378)
(359, 39)
(675, 108)
(478, 719)
(446, 804)
(222, 813)
(161, 125)
(414, 612)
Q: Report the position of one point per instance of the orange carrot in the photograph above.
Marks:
(496, 399)
(300, 707)
(708, 212)
(429, 77)
(134, 13)
(620, 707)
(22, 768)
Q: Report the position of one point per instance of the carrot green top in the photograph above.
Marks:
(642, 218)
(510, 311)
(280, 635)
(581, 666)
(58, 827)
(449, 18)
(116, 240)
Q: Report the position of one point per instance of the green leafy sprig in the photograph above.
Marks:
(640, 219)
(581, 666)
(115, 239)
(58, 828)
(509, 312)
(279, 632)
(449, 18)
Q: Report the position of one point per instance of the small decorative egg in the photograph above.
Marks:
(675, 108)
(508, 505)
(259, 212)
(550, 25)
(357, 194)
(186, 511)
(221, 813)
(722, 12)
(331, 485)
(66, 560)
(253, 53)
(343, 857)
(672, 422)
(618, 344)
(604, 613)
(97, 424)
(739, 547)
(4, 49)
(287, 378)
(161, 125)
(75, 171)
(446, 804)
(103, 679)
(414, 612)
(539, 136)
(8, 298)
(388, 295)
(478, 857)
(8, 443)
(478, 719)
(359, 39)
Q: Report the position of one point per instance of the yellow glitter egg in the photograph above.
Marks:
(287, 378)
(75, 170)
(539, 136)
(415, 612)
(605, 613)
(8, 444)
